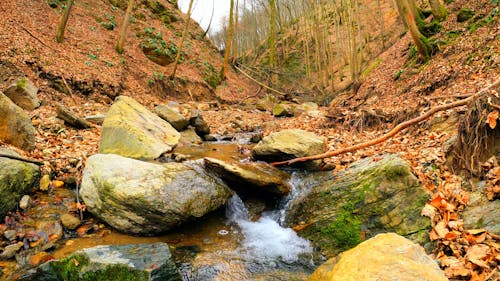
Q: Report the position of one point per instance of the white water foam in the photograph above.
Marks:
(265, 239)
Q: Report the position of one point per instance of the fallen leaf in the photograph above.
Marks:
(428, 211)
(441, 229)
(492, 119)
(57, 183)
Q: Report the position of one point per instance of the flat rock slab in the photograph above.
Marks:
(15, 125)
(386, 256)
(172, 116)
(254, 178)
(146, 198)
(131, 130)
(138, 262)
(289, 144)
(482, 213)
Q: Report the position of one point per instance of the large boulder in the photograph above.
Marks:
(17, 178)
(289, 144)
(372, 196)
(253, 178)
(139, 262)
(146, 198)
(24, 94)
(15, 125)
(384, 257)
(172, 116)
(131, 130)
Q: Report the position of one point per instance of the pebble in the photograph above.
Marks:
(11, 250)
(10, 234)
(25, 202)
(70, 222)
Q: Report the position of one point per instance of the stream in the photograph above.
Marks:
(243, 241)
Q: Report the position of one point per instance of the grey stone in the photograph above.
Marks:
(253, 178)
(372, 196)
(10, 251)
(138, 262)
(288, 144)
(24, 94)
(172, 116)
(133, 131)
(146, 198)
(17, 178)
(482, 213)
(15, 125)
(25, 202)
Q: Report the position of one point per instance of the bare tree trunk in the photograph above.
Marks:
(228, 41)
(64, 20)
(184, 35)
(438, 10)
(125, 24)
(272, 34)
(210, 22)
(409, 18)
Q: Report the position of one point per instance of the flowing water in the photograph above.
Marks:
(234, 244)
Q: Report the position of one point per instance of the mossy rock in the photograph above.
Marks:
(15, 125)
(465, 14)
(161, 11)
(157, 49)
(368, 198)
(17, 178)
(140, 262)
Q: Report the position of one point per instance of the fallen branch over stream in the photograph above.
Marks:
(391, 133)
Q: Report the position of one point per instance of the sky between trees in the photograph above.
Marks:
(202, 10)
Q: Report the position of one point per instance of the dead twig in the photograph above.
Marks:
(392, 132)
(259, 83)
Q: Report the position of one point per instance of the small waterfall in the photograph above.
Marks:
(265, 239)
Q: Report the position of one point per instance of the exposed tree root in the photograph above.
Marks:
(10, 156)
(392, 132)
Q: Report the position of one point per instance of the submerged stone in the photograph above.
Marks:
(137, 262)
(370, 197)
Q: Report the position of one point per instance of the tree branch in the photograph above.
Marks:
(392, 132)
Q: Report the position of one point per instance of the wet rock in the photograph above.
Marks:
(133, 131)
(70, 222)
(288, 144)
(189, 136)
(10, 234)
(384, 257)
(49, 230)
(24, 94)
(146, 198)
(10, 251)
(373, 195)
(139, 262)
(40, 258)
(25, 202)
(200, 125)
(252, 178)
(172, 116)
(480, 213)
(15, 125)
(44, 183)
(17, 178)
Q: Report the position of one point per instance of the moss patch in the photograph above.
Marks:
(465, 14)
(22, 83)
(76, 268)
(210, 75)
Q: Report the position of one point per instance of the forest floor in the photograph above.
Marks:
(398, 89)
